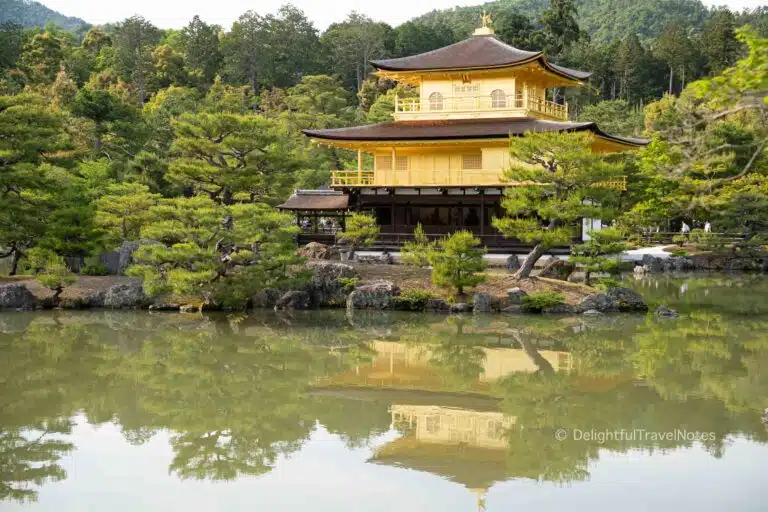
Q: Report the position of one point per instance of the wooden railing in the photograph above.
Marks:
(519, 103)
(437, 178)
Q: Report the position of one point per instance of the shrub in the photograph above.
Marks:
(94, 269)
(607, 283)
(56, 276)
(456, 261)
(680, 240)
(412, 300)
(599, 253)
(538, 301)
(417, 252)
(348, 284)
(679, 252)
(361, 230)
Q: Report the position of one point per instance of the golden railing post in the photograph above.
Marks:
(359, 165)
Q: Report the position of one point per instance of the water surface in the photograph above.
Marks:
(324, 411)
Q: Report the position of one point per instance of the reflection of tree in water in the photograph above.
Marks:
(462, 360)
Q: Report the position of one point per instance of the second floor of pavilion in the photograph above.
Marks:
(479, 77)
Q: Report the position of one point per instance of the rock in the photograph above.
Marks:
(294, 299)
(600, 302)
(627, 300)
(562, 309)
(266, 298)
(640, 270)
(437, 305)
(373, 296)
(189, 308)
(665, 312)
(315, 251)
(461, 307)
(765, 416)
(325, 287)
(513, 309)
(92, 299)
(125, 255)
(375, 259)
(679, 264)
(129, 295)
(513, 263)
(515, 296)
(164, 306)
(482, 303)
(652, 263)
(17, 296)
(592, 312)
(557, 269)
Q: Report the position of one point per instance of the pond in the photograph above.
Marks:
(323, 411)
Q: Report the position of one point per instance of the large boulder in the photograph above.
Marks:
(615, 299)
(326, 287)
(315, 251)
(82, 299)
(557, 269)
(653, 263)
(437, 306)
(16, 296)
(125, 255)
(125, 295)
(627, 300)
(295, 299)
(513, 263)
(266, 298)
(373, 296)
(515, 296)
(375, 259)
(461, 307)
(483, 303)
(598, 302)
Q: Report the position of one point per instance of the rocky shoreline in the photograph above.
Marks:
(332, 284)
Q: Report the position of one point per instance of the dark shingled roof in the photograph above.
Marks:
(316, 200)
(460, 129)
(477, 52)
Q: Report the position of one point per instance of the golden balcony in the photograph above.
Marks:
(479, 106)
(436, 178)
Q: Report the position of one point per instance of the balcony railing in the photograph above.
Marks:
(519, 104)
(436, 178)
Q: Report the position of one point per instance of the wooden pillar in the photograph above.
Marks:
(482, 212)
(394, 166)
(392, 195)
(359, 166)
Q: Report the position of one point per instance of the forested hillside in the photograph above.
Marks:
(98, 128)
(34, 14)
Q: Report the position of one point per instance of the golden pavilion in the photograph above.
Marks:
(440, 161)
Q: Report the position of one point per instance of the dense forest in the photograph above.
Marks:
(28, 13)
(100, 130)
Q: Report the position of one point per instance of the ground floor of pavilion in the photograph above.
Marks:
(321, 215)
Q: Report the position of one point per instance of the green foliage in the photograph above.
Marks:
(679, 252)
(538, 301)
(416, 252)
(457, 262)
(615, 117)
(606, 283)
(35, 14)
(348, 283)
(599, 253)
(124, 210)
(559, 182)
(224, 254)
(412, 300)
(680, 240)
(51, 271)
(362, 230)
(94, 269)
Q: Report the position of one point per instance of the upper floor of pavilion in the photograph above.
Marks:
(479, 77)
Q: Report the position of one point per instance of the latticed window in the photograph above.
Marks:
(498, 99)
(384, 163)
(401, 163)
(435, 101)
(472, 161)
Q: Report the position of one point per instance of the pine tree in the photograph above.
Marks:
(594, 255)
(719, 41)
(124, 210)
(560, 180)
(457, 261)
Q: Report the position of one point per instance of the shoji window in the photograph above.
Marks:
(472, 161)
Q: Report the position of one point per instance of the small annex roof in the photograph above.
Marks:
(477, 52)
(321, 200)
(455, 129)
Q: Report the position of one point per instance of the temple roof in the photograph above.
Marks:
(316, 200)
(461, 129)
(477, 52)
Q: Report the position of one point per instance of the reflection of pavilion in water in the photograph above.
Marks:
(417, 366)
(465, 446)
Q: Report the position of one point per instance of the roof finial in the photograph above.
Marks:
(485, 18)
(485, 30)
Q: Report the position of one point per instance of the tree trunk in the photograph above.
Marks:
(226, 196)
(16, 256)
(587, 276)
(530, 261)
(542, 364)
(124, 229)
(671, 77)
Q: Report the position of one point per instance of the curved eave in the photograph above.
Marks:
(572, 75)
